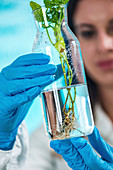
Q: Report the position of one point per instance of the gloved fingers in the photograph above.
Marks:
(20, 86)
(19, 114)
(69, 153)
(24, 97)
(31, 59)
(110, 164)
(89, 155)
(28, 72)
(58, 144)
(8, 104)
(99, 144)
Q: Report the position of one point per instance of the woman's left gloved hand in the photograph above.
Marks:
(79, 153)
(20, 83)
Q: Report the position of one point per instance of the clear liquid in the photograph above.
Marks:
(67, 112)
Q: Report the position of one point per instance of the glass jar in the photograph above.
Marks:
(65, 103)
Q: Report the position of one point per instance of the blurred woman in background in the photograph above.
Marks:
(92, 23)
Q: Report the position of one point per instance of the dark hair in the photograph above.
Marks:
(72, 6)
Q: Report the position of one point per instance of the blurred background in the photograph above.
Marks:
(17, 33)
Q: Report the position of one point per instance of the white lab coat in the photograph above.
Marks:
(41, 156)
(15, 159)
(104, 124)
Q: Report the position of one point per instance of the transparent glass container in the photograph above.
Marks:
(65, 103)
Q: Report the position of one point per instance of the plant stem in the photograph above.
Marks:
(64, 61)
(49, 37)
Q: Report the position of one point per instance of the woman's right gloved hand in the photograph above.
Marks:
(80, 155)
(20, 83)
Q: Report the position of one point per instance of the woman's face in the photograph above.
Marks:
(93, 24)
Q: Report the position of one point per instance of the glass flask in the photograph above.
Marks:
(65, 103)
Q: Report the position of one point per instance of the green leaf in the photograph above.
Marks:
(55, 15)
(65, 1)
(51, 3)
(37, 11)
(34, 5)
(52, 15)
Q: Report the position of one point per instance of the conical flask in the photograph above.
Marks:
(65, 103)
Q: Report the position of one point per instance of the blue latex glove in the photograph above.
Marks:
(20, 83)
(80, 155)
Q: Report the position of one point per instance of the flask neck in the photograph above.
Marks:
(48, 27)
